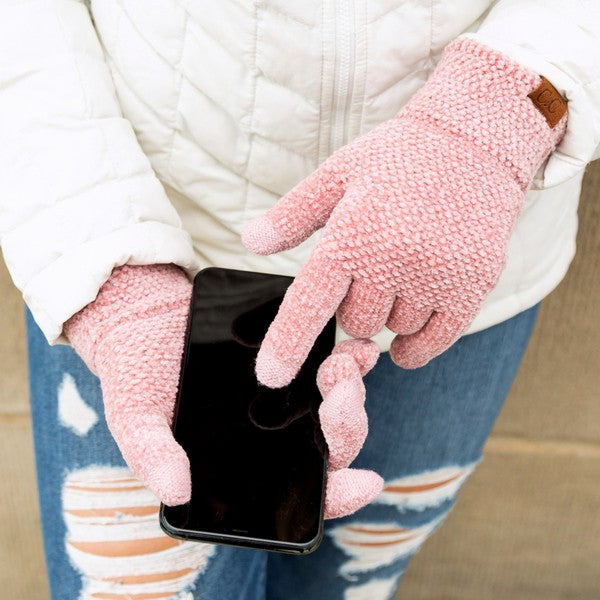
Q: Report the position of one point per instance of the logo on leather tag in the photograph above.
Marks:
(549, 102)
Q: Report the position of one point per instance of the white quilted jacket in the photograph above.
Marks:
(143, 131)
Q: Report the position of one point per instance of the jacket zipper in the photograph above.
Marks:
(343, 72)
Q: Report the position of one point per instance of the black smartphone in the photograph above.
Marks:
(258, 457)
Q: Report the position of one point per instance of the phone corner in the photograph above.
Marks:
(165, 525)
(311, 546)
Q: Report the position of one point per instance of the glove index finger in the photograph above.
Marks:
(309, 303)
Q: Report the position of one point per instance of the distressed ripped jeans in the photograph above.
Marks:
(102, 540)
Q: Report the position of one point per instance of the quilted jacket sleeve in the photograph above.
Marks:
(560, 40)
(77, 195)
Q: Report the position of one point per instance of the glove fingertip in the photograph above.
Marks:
(351, 489)
(259, 236)
(408, 358)
(271, 371)
(437, 335)
(171, 481)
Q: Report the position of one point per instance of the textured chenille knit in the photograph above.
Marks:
(132, 337)
(417, 214)
(344, 424)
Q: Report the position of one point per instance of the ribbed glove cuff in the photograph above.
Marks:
(483, 96)
(132, 292)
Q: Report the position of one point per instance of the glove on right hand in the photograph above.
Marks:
(417, 214)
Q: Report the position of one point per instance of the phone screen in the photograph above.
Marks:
(257, 455)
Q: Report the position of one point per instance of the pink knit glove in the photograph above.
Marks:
(344, 425)
(417, 214)
(132, 337)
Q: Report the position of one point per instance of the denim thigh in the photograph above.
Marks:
(100, 525)
(427, 428)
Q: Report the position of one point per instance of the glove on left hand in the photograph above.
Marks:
(132, 338)
(417, 214)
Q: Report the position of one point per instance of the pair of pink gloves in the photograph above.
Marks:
(416, 218)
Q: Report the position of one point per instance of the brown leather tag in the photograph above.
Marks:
(549, 102)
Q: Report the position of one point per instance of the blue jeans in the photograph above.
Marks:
(427, 428)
